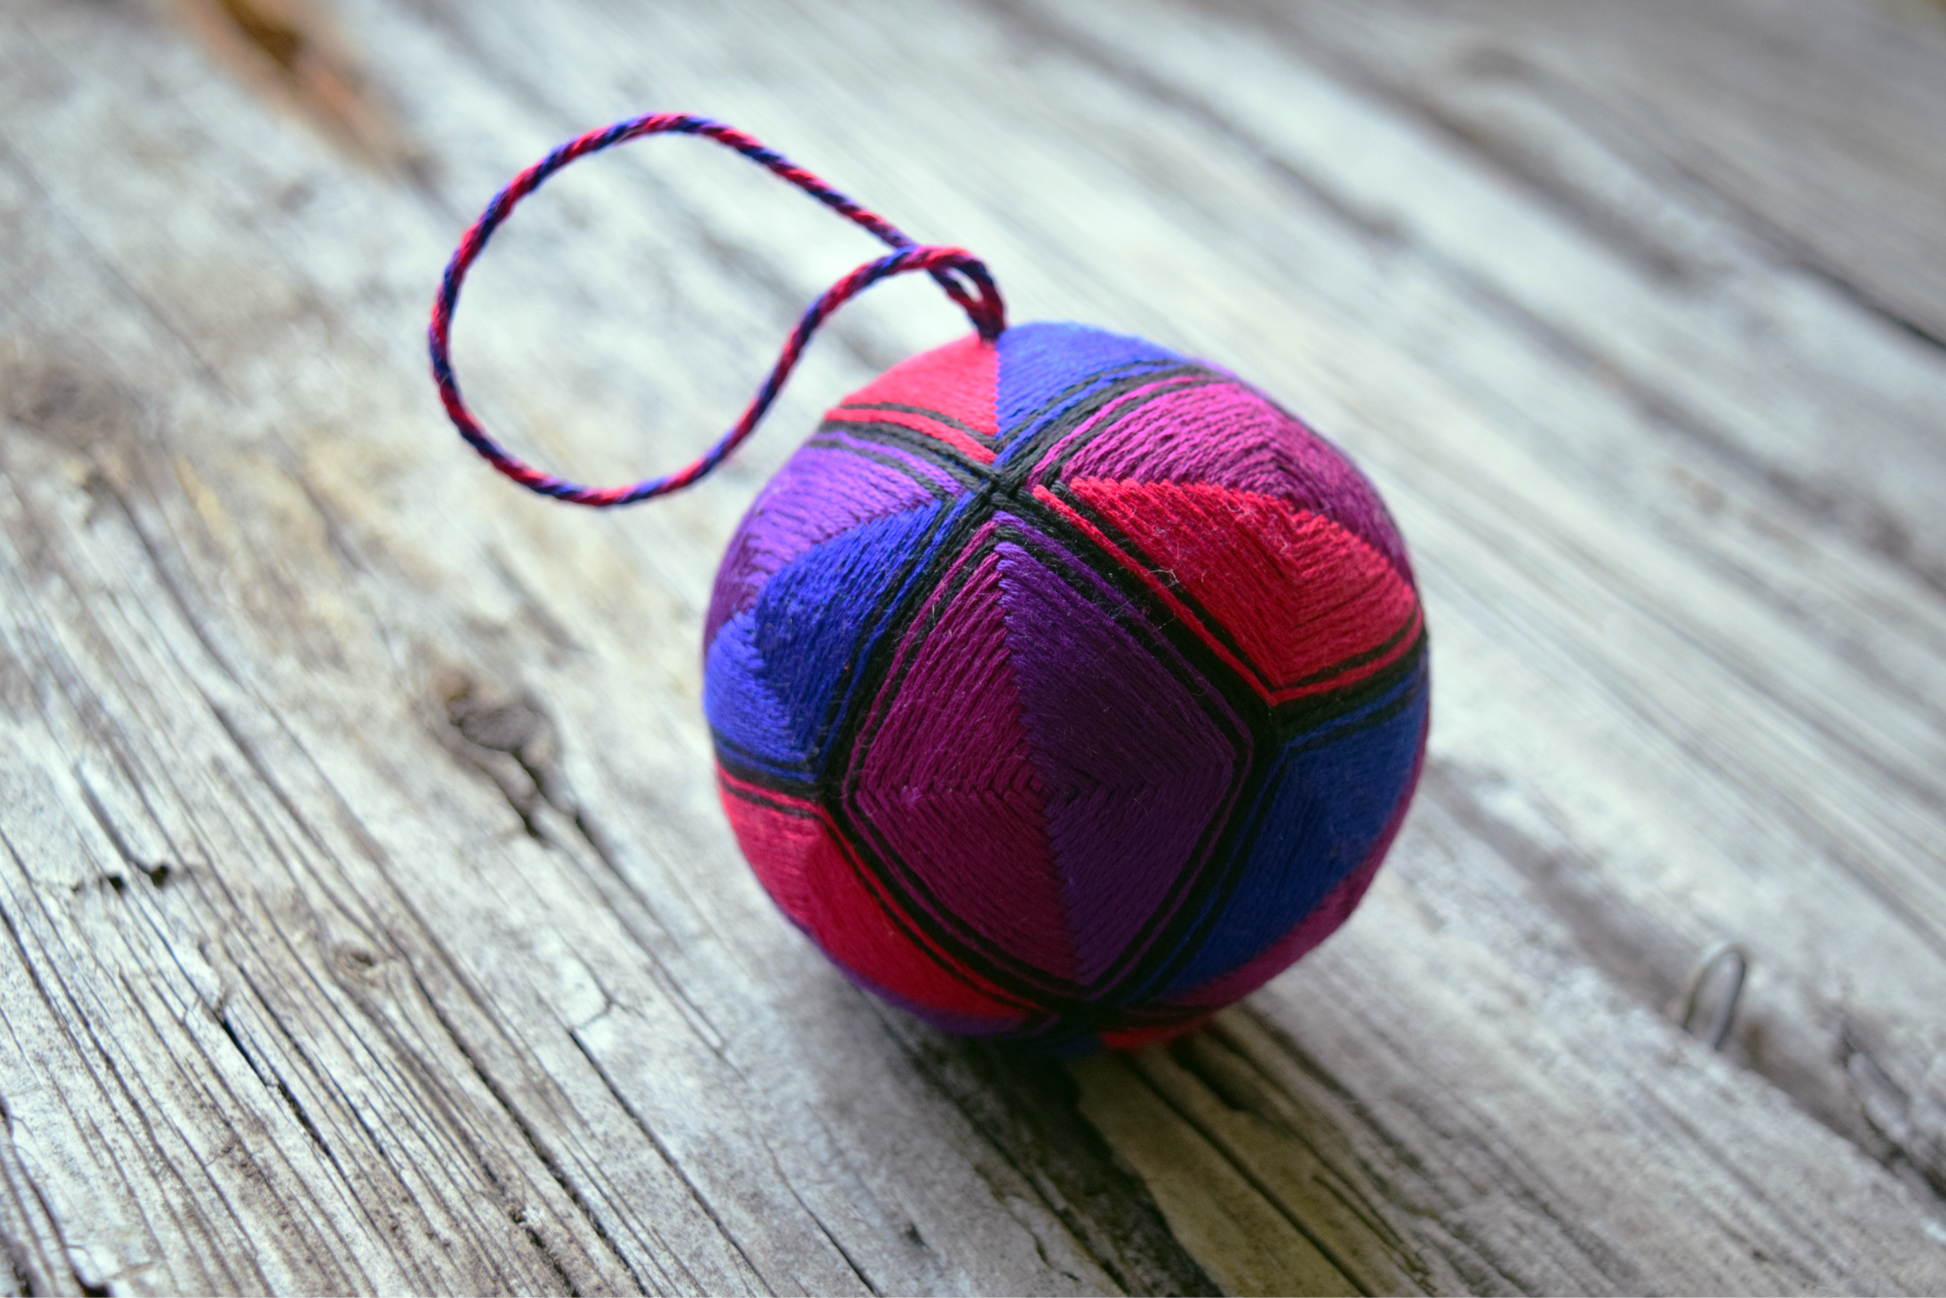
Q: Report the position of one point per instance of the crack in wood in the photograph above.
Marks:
(1235, 1080)
(1028, 1114)
(28, 1258)
(528, 1133)
(826, 1231)
(546, 1250)
(1296, 1216)
(1912, 1122)
(282, 1089)
(157, 873)
(669, 1159)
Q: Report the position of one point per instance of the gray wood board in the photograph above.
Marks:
(371, 921)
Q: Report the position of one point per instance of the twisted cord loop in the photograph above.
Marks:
(963, 277)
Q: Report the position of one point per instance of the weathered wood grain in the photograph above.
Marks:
(371, 923)
(1795, 122)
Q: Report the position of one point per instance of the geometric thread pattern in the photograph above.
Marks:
(1064, 690)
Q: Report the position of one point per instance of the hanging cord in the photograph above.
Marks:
(963, 276)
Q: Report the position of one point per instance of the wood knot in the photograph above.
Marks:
(288, 51)
(510, 739)
(63, 401)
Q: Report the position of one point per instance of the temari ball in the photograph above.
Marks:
(1064, 690)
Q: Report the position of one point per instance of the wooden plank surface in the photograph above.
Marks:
(370, 921)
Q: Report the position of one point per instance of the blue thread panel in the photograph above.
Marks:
(1328, 799)
(1040, 361)
(775, 670)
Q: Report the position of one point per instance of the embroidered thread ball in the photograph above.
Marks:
(1063, 690)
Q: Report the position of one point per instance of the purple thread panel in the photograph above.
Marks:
(1134, 769)
(1108, 417)
(951, 786)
